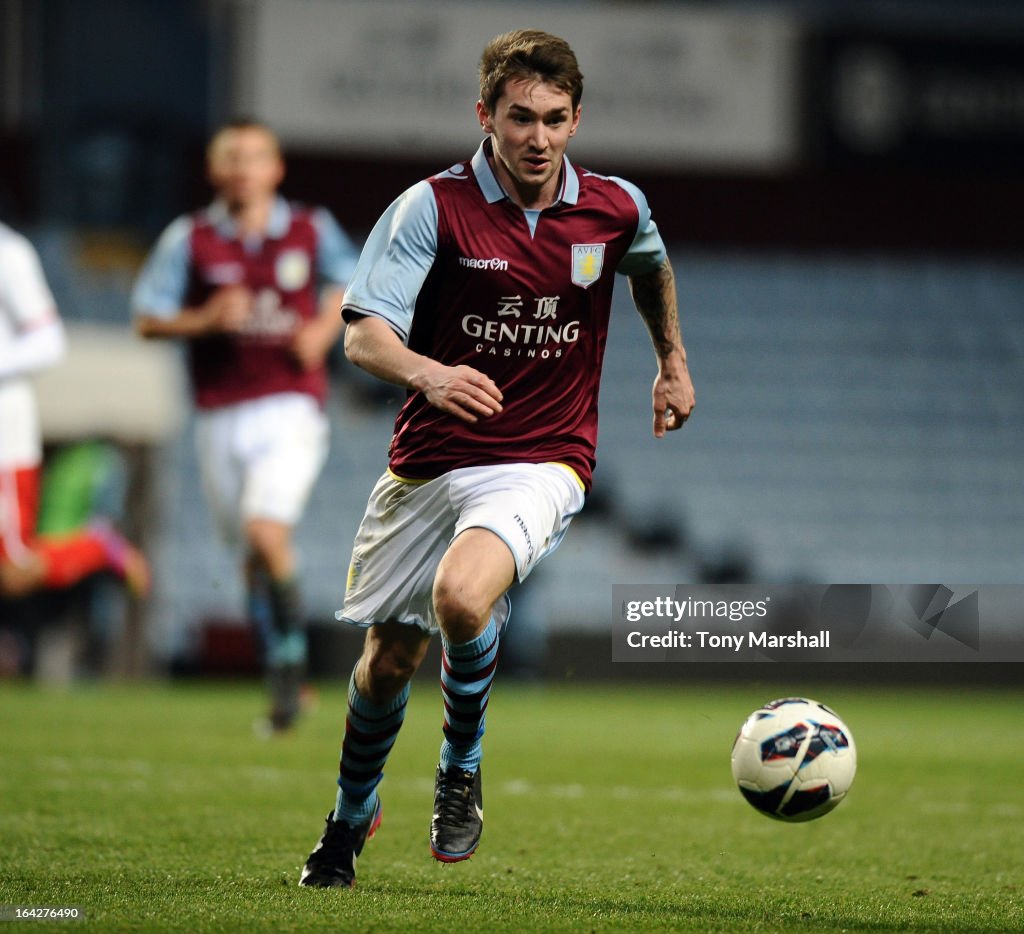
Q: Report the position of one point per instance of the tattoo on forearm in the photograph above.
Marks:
(654, 295)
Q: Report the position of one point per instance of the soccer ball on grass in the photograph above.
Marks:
(794, 759)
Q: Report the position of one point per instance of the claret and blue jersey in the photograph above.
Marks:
(466, 276)
(304, 248)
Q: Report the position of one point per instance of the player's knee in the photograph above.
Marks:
(7, 582)
(269, 543)
(265, 536)
(460, 613)
(16, 580)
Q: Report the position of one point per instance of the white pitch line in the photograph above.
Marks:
(130, 770)
(62, 772)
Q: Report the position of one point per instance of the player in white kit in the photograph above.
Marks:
(31, 339)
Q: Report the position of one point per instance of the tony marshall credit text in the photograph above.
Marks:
(701, 639)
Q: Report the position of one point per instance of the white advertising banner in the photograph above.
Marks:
(664, 85)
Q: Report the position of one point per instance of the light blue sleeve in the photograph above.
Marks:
(647, 251)
(395, 261)
(160, 287)
(336, 254)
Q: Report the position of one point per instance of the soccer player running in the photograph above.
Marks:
(240, 282)
(32, 338)
(485, 291)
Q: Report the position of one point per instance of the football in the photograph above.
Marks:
(794, 759)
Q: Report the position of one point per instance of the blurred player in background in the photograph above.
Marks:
(32, 339)
(485, 292)
(253, 284)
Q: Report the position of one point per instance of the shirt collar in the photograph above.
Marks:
(277, 225)
(491, 187)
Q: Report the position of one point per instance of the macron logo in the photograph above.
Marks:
(494, 263)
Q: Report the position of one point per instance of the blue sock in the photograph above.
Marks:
(288, 649)
(261, 613)
(370, 732)
(287, 643)
(275, 613)
(466, 675)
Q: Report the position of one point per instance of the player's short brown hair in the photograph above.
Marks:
(530, 54)
(241, 123)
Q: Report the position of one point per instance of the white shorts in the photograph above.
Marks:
(260, 458)
(409, 525)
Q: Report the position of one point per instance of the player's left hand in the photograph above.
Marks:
(311, 343)
(672, 396)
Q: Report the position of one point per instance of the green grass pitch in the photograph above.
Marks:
(608, 809)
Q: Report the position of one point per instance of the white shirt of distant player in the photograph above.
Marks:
(31, 338)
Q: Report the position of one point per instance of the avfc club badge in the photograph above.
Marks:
(292, 270)
(587, 263)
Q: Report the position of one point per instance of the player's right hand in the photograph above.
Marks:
(228, 308)
(462, 391)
